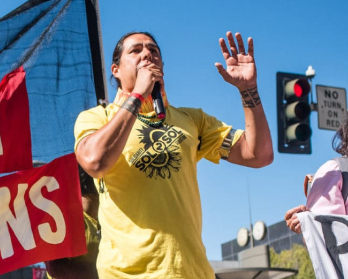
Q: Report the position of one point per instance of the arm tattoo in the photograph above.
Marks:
(250, 98)
(132, 104)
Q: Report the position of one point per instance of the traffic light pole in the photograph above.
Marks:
(310, 73)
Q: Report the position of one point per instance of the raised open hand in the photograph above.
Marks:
(240, 66)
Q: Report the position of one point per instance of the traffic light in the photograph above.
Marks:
(293, 110)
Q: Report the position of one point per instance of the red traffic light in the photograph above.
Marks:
(297, 87)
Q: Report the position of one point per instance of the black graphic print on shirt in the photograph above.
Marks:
(160, 155)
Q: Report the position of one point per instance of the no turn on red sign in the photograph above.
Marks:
(332, 106)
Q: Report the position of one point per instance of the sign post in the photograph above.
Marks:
(332, 106)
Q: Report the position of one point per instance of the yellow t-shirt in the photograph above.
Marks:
(150, 209)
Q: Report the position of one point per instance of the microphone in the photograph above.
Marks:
(158, 101)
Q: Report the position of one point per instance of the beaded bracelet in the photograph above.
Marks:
(138, 96)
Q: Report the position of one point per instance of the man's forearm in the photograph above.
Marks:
(98, 152)
(254, 149)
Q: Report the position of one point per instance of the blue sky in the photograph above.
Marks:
(288, 36)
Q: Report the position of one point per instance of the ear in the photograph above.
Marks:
(114, 70)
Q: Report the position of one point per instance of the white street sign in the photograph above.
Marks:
(332, 106)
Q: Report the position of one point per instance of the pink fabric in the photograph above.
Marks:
(325, 197)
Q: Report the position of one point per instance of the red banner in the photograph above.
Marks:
(15, 139)
(41, 215)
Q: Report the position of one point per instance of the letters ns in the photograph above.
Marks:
(20, 221)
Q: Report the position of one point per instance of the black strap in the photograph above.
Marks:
(343, 164)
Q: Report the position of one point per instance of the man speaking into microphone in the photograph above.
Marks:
(144, 161)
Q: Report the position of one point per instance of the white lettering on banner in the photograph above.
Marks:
(1, 149)
(21, 225)
(51, 208)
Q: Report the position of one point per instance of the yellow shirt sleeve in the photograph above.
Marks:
(212, 133)
(88, 122)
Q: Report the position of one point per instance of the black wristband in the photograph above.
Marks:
(132, 104)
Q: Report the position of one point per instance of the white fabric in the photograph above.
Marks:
(326, 237)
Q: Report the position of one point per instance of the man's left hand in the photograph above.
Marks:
(240, 65)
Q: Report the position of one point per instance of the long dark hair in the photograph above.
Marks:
(340, 140)
(116, 56)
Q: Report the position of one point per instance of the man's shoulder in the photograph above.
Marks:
(97, 111)
(187, 110)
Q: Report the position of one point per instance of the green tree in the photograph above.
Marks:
(295, 258)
